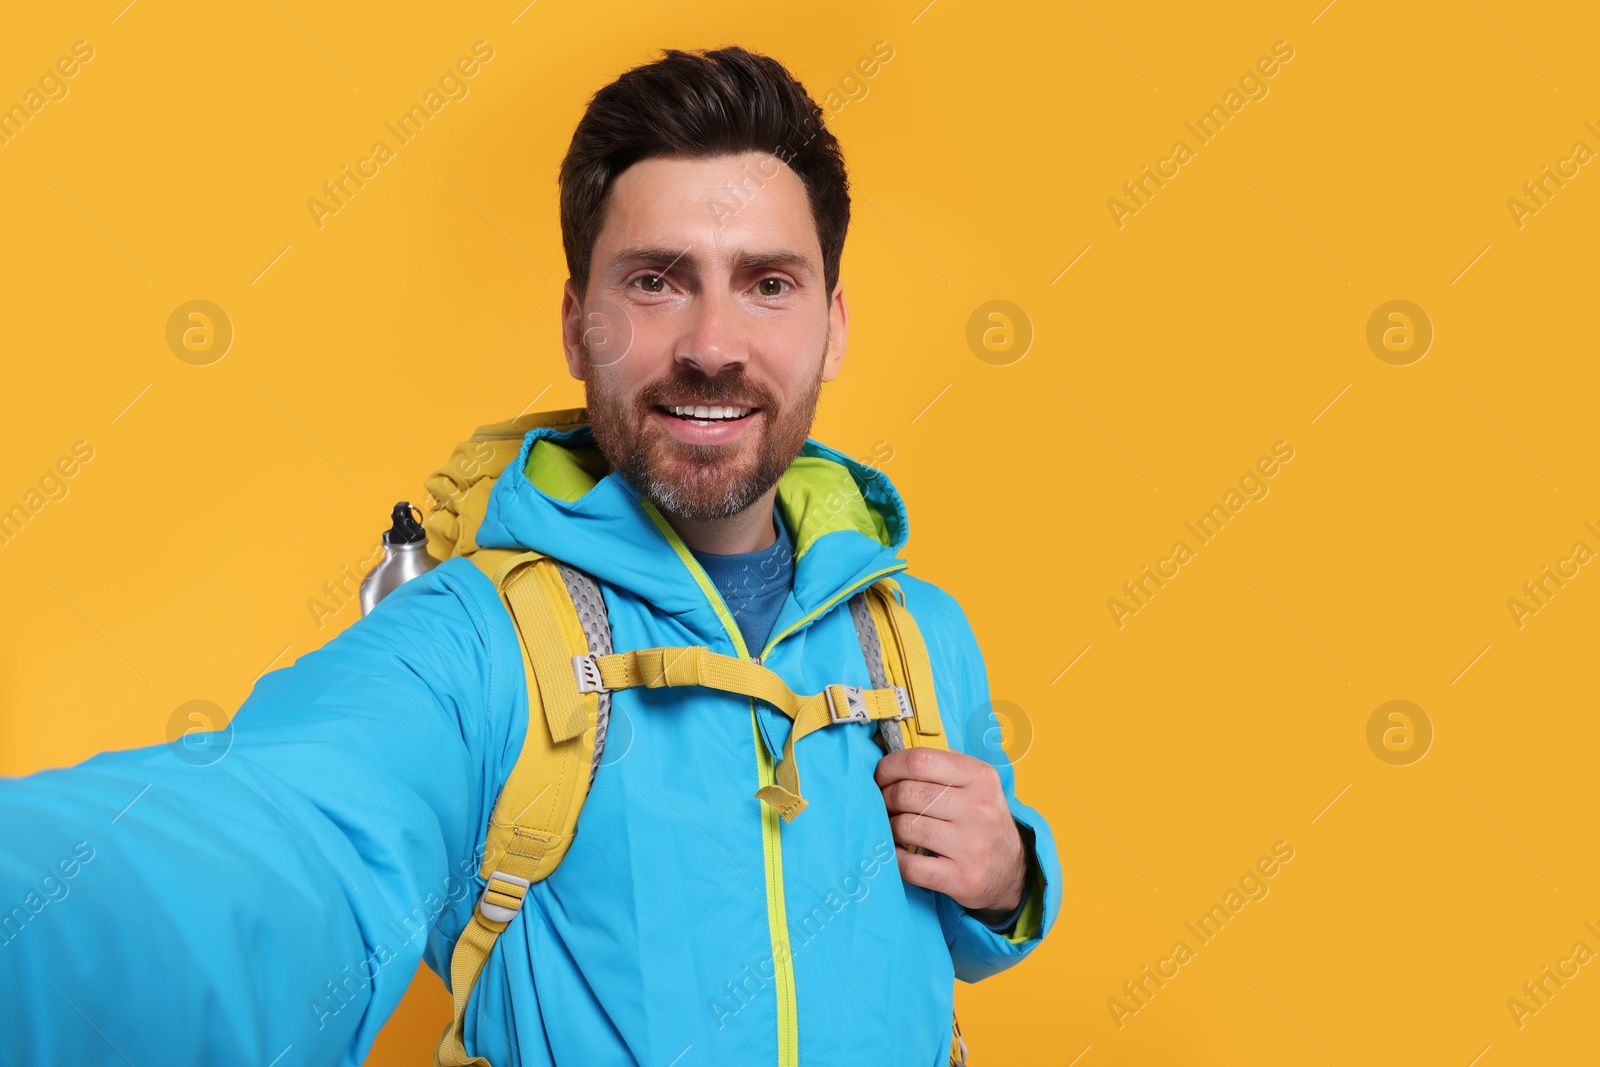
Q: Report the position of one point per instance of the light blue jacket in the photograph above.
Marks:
(269, 893)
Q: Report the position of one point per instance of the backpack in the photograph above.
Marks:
(559, 615)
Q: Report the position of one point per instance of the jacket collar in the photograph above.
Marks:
(560, 497)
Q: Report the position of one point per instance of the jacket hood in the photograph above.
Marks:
(560, 496)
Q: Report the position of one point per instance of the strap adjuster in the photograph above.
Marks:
(902, 699)
(498, 912)
(847, 698)
(587, 671)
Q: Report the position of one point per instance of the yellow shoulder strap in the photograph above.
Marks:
(906, 663)
(536, 815)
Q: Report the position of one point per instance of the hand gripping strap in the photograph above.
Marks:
(536, 814)
(872, 620)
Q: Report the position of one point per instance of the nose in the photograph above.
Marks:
(713, 336)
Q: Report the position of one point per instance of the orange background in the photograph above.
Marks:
(1228, 313)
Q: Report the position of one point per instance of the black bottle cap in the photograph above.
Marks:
(406, 528)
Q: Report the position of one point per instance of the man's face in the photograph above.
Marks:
(706, 289)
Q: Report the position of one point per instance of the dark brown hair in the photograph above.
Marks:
(699, 105)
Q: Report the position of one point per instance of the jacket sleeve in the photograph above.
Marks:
(230, 896)
(961, 682)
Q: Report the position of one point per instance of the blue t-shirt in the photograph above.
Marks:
(754, 584)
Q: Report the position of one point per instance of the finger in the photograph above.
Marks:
(937, 765)
(930, 872)
(935, 835)
(924, 798)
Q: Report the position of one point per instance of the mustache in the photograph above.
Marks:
(733, 392)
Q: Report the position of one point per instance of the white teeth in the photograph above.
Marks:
(714, 411)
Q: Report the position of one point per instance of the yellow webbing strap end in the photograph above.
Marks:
(471, 952)
(782, 801)
(501, 899)
(836, 703)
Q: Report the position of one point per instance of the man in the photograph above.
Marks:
(275, 902)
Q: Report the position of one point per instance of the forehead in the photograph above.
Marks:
(717, 207)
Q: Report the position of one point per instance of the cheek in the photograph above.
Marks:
(789, 350)
(649, 361)
(789, 390)
(618, 391)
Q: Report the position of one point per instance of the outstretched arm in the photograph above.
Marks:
(277, 887)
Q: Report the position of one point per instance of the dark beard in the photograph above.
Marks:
(699, 482)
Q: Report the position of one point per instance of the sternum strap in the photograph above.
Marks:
(697, 665)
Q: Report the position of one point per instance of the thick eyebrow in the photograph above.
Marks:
(666, 257)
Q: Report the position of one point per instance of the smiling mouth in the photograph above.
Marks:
(707, 414)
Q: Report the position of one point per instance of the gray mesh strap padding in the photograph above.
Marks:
(591, 606)
(872, 649)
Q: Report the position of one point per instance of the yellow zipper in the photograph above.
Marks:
(771, 843)
(766, 772)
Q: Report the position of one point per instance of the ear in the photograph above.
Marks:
(572, 330)
(838, 329)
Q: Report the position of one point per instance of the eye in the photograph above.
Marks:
(648, 279)
(773, 281)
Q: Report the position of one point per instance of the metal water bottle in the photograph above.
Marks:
(405, 555)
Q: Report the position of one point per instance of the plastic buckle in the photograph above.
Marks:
(854, 703)
(498, 913)
(588, 674)
(902, 699)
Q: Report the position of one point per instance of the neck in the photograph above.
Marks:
(749, 531)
